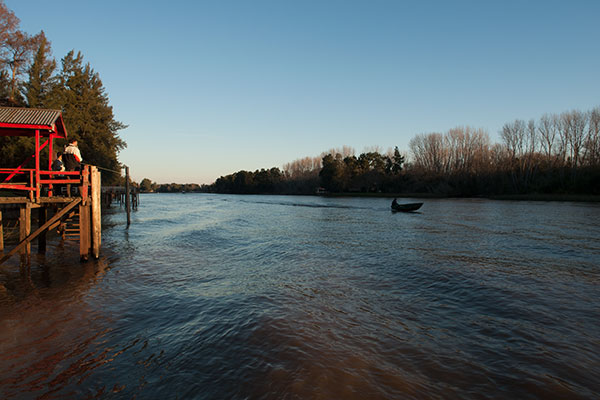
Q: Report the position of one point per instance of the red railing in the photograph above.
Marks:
(12, 172)
(39, 180)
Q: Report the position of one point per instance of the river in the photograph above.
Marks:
(283, 297)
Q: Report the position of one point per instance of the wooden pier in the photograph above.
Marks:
(76, 217)
(118, 194)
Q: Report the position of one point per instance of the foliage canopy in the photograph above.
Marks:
(29, 78)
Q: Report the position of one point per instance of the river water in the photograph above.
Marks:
(280, 297)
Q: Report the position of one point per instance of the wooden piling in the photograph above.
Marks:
(25, 241)
(42, 218)
(127, 199)
(84, 231)
(1, 235)
(96, 212)
(25, 226)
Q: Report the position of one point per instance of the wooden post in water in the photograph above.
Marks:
(127, 199)
(24, 242)
(84, 231)
(42, 218)
(1, 235)
(96, 213)
(25, 226)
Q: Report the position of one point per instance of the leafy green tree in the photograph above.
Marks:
(242, 181)
(332, 173)
(352, 166)
(88, 117)
(40, 82)
(372, 161)
(76, 90)
(146, 185)
(15, 150)
(267, 180)
(397, 161)
(4, 89)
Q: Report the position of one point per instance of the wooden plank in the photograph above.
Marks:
(43, 200)
(32, 236)
(54, 226)
(85, 180)
(84, 231)
(25, 227)
(13, 200)
(96, 212)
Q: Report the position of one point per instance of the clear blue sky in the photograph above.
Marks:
(212, 87)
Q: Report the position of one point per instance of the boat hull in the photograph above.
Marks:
(406, 207)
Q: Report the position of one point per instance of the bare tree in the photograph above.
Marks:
(20, 49)
(574, 130)
(513, 136)
(8, 25)
(429, 152)
(301, 168)
(499, 156)
(344, 151)
(548, 129)
(454, 143)
(372, 149)
(592, 143)
(520, 142)
(480, 148)
(531, 145)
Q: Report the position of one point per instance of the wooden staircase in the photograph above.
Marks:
(71, 227)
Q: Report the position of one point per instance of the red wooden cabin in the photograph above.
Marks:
(42, 126)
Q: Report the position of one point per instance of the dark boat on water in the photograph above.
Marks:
(405, 207)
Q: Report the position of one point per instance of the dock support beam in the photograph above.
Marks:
(127, 199)
(84, 231)
(25, 241)
(1, 235)
(25, 227)
(96, 211)
(42, 218)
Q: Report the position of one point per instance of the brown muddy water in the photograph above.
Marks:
(272, 297)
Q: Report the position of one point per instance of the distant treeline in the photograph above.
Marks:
(558, 154)
(30, 77)
(146, 185)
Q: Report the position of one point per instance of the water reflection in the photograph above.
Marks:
(262, 297)
(48, 329)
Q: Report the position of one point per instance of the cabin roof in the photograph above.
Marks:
(15, 121)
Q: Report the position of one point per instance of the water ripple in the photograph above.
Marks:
(280, 297)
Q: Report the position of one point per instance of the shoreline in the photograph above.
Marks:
(581, 198)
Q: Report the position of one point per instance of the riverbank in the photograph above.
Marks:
(513, 197)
